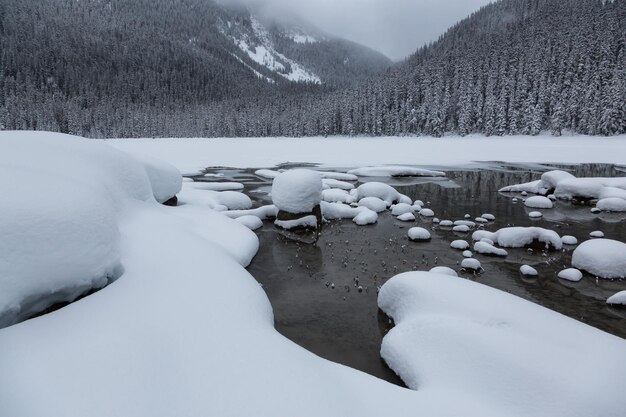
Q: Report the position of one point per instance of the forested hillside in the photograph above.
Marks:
(129, 69)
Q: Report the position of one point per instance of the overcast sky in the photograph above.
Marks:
(394, 27)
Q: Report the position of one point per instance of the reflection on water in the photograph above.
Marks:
(324, 296)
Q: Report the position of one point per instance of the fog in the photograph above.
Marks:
(394, 27)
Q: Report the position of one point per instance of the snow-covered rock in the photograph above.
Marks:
(406, 217)
(459, 244)
(488, 216)
(365, 217)
(467, 223)
(488, 249)
(528, 270)
(251, 222)
(535, 214)
(518, 237)
(471, 264)
(306, 222)
(597, 234)
(339, 176)
(395, 171)
(333, 183)
(269, 174)
(218, 186)
(604, 258)
(297, 191)
(571, 274)
(233, 200)
(373, 203)
(418, 233)
(446, 223)
(569, 240)
(535, 187)
(467, 254)
(538, 202)
(504, 350)
(401, 208)
(444, 270)
(426, 212)
(379, 190)
(263, 212)
(617, 298)
(461, 229)
(336, 195)
(612, 204)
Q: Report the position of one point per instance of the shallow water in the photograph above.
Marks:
(314, 289)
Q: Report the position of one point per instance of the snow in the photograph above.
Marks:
(263, 212)
(617, 298)
(395, 171)
(335, 195)
(444, 270)
(297, 191)
(467, 223)
(446, 223)
(604, 258)
(365, 217)
(191, 154)
(333, 183)
(216, 200)
(418, 233)
(406, 217)
(538, 202)
(401, 208)
(535, 214)
(471, 264)
(528, 270)
(518, 237)
(60, 205)
(373, 203)
(426, 212)
(379, 190)
(218, 186)
(488, 249)
(340, 176)
(552, 178)
(488, 216)
(578, 187)
(596, 234)
(251, 222)
(508, 356)
(461, 229)
(467, 254)
(571, 274)
(459, 244)
(309, 222)
(269, 174)
(612, 204)
(535, 187)
(569, 240)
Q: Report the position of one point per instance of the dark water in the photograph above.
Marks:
(324, 295)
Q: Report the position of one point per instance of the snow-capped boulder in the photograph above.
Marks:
(379, 190)
(471, 264)
(406, 217)
(604, 258)
(488, 249)
(571, 274)
(459, 244)
(251, 222)
(538, 202)
(297, 191)
(597, 234)
(518, 237)
(418, 234)
(395, 171)
(373, 203)
(336, 195)
(365, 217)
(617, 298)
(444, 270)
(426, 212)
(569, 240)
(528, 271)
(612, 204)
(535, 214)
(401, 208)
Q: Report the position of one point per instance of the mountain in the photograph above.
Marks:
(512, 67)
(119, 68)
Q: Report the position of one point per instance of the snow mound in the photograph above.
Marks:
(62, 200)
(467, 254)
(306, 222)
(335, 195)
(519, 237)
(333, 183)
(426, 212)
(418, 233)
(263, 212)
(604, 258)
(365, 217)
(373, 203)
(219, 186)
(444, 270)
(488, 249)
(379, 190)
(498, 350)
(297, 191)
(618, 298)
(612, 204)
(406, 217)
(340, 176)
(578, 187)
(471, 264)
(459, 244)
(461, 229)
(446, 223)
(401, 208)
(597, 234)
(395, 171)
(467, 223)
(569, 240)
(571, 274)
(528, 270)
(538, 202)
(535, 214)
(269, 174)
(488, 216)
(251, 222)
(535, 187)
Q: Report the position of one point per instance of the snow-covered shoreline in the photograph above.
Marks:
(191, 154)
(187, 331)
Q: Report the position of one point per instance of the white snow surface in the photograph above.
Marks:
(617, 298)
(191, 154)
(373, 203)
(406, 217)
(297, 190)
(535, 214)
(571, 274)
(604, 258)
(528, 271)
(612, 204)
(500, 351)
(251, 222)
(306, 222)
(379, 190)
(444, 270)
(459, 244)
(401, 208)
(218, 186)
(470, 263)
(366, 217)
(486, 248)
(418, 233)
(333, 183)
(569, 240)
(395, 171)
(336, 195)
(518, 237)
(538, 202)
(426, 212)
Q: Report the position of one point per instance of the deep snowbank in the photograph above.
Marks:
(506, 353)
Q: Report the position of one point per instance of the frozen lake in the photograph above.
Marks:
(314, 289)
